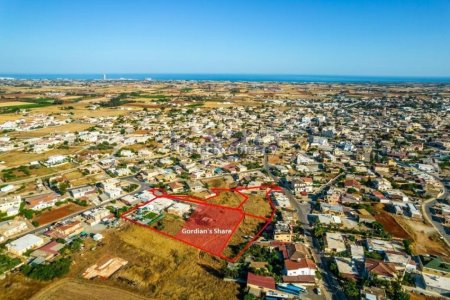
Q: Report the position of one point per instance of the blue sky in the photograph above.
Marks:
(374, 37)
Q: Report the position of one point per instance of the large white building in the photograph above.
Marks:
(25, 243)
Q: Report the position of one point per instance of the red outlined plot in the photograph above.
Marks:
(208, 224)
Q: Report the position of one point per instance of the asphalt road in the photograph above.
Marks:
(331, 288)
(426, 207)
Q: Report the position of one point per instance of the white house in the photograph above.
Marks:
(56, 159)
(304, 266)
(10, 205)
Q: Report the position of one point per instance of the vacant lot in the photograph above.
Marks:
(223, 182)
(12, 103)
(159, 267)
(170, 224)
(57, 213)
(70, 289)
(257, 204)
(231, 199)
(18, 158)
(425, 238)
(15, 286)
(71, 127)
(390, 224)
(244, 233)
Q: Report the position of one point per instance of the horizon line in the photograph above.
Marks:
(224, 73)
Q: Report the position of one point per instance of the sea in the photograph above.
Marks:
(232, 78)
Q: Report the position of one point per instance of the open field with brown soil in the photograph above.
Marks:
(90, 179)
(170, 224)
(158, 268)
(274, 159)
(18, 158)
(57, 213)
(390, 224)
(257, 204)
(71, 127)
(425, 238)
(12, 103)
(34, 172)
(231, 199)
(245, 231)
(222, 182)
(70, 289)
(18, 287)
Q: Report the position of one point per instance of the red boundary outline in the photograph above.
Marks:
(196, 200)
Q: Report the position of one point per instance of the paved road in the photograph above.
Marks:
(330, 286)
(426, 209)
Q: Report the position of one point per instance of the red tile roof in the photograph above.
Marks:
(301, 264)
(35, 200)
(299, 279)
(379, 267)
(261, 281)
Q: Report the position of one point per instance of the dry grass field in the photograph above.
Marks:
(158, 268)
(12, 103)
(257, 204)
(245, 231)
(70, 289)
(18, 158)
(222, 182)
(425, 238)
(171, 224)
(71, 127)
(231, 199)
(17, 287)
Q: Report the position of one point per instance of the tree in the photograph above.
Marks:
(63, 187)
(49, 271)
(407, 245)
(396, 292)
(350, 289)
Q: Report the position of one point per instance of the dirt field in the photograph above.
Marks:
(18, 158)
(171, 224)
(223, 182)
(57, 213)
(231, 199)
(12, 103)
(426, 240)
(247, 229)
(71, 127)
(390, 224)
(18, 287)
(274, 159)
(69, 289)
(159, 267)
(257, 204)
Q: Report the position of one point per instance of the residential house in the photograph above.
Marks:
(42, 201)
(11, 228)
(347, 268)
(303, 266)
(334, 242)
(259, 285)
(10, 205)
(380, 269)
